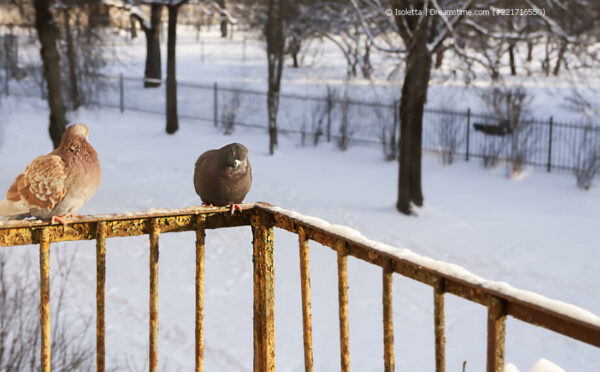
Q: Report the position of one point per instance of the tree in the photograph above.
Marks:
(46, 30)
(424, 35)
(221, 5)
(151, 28)
(171, 91)
(275, 48)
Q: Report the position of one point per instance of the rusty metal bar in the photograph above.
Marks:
(153, 324)
(388, 318)
(45, 300)
(200, 239)
(342, 260)
(439, 326)
(14, 233)
(306, 305)
(528, 312)
(496, 329)
(100, 295)
(264, 293)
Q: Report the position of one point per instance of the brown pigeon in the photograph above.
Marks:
(56, 185)
(223, 177)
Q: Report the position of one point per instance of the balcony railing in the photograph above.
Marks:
(501, 300)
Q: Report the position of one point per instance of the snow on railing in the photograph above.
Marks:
(500, 298)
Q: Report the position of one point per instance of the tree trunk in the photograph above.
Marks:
(153, 72)
(294, 49)
(511, 57)
(275, 49)
(72, 61)
(172, 118)
(529, 50)
(222, 4)
(45, 26)
(439, 57)
(412, 102)
(561, 54)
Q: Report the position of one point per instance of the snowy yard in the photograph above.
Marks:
(538, 232)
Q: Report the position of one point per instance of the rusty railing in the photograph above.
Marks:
(499, 300)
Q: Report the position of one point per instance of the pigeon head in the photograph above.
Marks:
(78, 130)
(233, 158)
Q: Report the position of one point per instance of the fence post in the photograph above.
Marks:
(216, 104)
(468, 133)
(550, 145)
(329, 104)
(6, 78)
(244, 49)
(202, 50)
(121, 93)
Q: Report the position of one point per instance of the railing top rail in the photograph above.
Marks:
(125, 224)
(530, 307)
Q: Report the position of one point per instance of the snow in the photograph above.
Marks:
(544, 365)
(538, 233)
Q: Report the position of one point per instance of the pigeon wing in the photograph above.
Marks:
(41, 186)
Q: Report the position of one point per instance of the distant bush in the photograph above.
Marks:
(449, 137)
(587, 155)
(511, 106)
(20, 321)
(229, 110)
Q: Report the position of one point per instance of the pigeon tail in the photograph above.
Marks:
(9, 209)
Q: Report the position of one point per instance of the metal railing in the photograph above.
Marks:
(263, 218)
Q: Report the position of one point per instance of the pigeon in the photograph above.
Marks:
(223, 176)
(56, 185)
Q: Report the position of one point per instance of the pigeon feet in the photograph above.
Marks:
(235, 207)
(61, 219)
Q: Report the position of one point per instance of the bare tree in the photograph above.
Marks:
(173, 7)
(275, 48)
(151, 28)
(422, 35)
(46, 30)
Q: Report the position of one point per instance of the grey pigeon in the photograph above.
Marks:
(223, 177)
(56, 185)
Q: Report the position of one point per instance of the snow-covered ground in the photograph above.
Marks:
(537, 233)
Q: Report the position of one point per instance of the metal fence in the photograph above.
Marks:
(337, 117)
(263, 218)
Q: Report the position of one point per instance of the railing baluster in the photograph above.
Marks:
(496, 335)
(439, 325)
(200, 238)
(306, 306)
(342, 259)
(264, 294)
(100, 295)
(153, 331)
(388, 318)
(45, 299)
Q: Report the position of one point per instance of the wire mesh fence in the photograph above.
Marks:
(338, 118)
